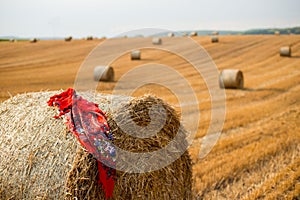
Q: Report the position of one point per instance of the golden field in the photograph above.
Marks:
(258, 154)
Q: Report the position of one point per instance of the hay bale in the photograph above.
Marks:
(89, 38)
(33, 40)
(285, 51)
(231, 78)
(184, 34)
(68, 39)
(277, 33)
(171, 35)
(136, 55)
(104, 73)
(156, 41)
(214, 39)
(13, 40)
(41, 160)
(215, 33)
(193, 34)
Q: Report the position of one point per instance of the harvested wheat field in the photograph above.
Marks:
(258, 153)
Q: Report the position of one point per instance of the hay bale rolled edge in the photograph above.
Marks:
(104, 73)
(136, 55)
(46, 162)
(231, 78)
(285, 51)
(176, 178)
(157, 41)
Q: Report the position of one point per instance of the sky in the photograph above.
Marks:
(80, 18)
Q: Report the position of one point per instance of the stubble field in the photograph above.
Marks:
(258, 153)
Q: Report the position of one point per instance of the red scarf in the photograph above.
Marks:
(89, 125)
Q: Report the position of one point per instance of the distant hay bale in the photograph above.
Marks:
(156, 41)
(285, 51)
(136, 55)
(193, 34)
(68, 39)
(171, 35)
(277, 33)
(231, 78)
(104, 73)
(13, 40)
(41, 160)
(89, 38)
(33, 40)
(215, 33)
(214, 39)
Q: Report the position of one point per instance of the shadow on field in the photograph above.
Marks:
(295, 57)
(264, 89)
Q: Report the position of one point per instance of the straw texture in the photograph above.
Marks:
(40, 159)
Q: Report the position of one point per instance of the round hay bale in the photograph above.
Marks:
(214, 39)
(104, 73)
(136, 55)
(68, 39)
(171, 35)
(285, 51)
(193, 34)
(89, 38)
(277, 33)
(231, 78)
(13, 40)
(184, 34)
(33, 40)
(41, 160)
(215, 33)
(156, 41)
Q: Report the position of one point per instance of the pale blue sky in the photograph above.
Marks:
(80, 18)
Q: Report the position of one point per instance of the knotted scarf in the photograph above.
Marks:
(89, 125)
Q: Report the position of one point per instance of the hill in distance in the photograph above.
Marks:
(266, 31)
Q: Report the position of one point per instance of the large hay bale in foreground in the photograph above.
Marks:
(40, 159)
(104, 73)
(231, 78)
(136, 55)
(285, 51)
(156, 41)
